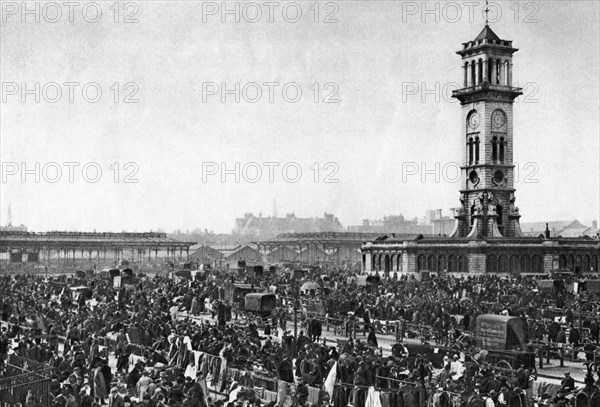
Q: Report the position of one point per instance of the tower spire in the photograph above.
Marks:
(487, 10)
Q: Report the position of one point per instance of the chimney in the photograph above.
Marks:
(595, 224)
(438, 214)
(547, 232)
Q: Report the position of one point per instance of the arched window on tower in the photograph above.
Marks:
(472, 82)
(506, 73)
(479, 71)
(470, 147)
(476, 149)
(499, 212)
(490, 70)
(466, 68)
(498, 72)
(501, 149)
(472, 214)
(494, 148)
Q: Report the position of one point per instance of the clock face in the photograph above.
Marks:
(498, 119)
(474, 120)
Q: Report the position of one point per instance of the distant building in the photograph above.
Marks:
(268, 227)
(442, 225)
(392, 224)
(569, 228)
(10, 228)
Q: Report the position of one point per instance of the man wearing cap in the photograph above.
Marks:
(568, 383)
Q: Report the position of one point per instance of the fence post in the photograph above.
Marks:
(562, 357)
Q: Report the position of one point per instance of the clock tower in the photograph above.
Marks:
(487, 171)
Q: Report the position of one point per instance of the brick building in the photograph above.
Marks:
(487, 235)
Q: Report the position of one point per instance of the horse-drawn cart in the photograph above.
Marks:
(505, 340)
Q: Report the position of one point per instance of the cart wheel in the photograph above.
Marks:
(505, 364)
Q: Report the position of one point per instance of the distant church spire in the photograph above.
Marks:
(274, 208)
(9, 217)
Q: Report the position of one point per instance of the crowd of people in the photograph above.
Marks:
(136, 345)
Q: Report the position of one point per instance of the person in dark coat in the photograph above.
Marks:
(134, 375)
(285, 370)
(372, 337)
(574, 336)
(568, 383)
(553, 331)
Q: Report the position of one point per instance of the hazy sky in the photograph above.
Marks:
(370, 59)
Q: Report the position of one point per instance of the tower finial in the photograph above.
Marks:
(487, 10)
